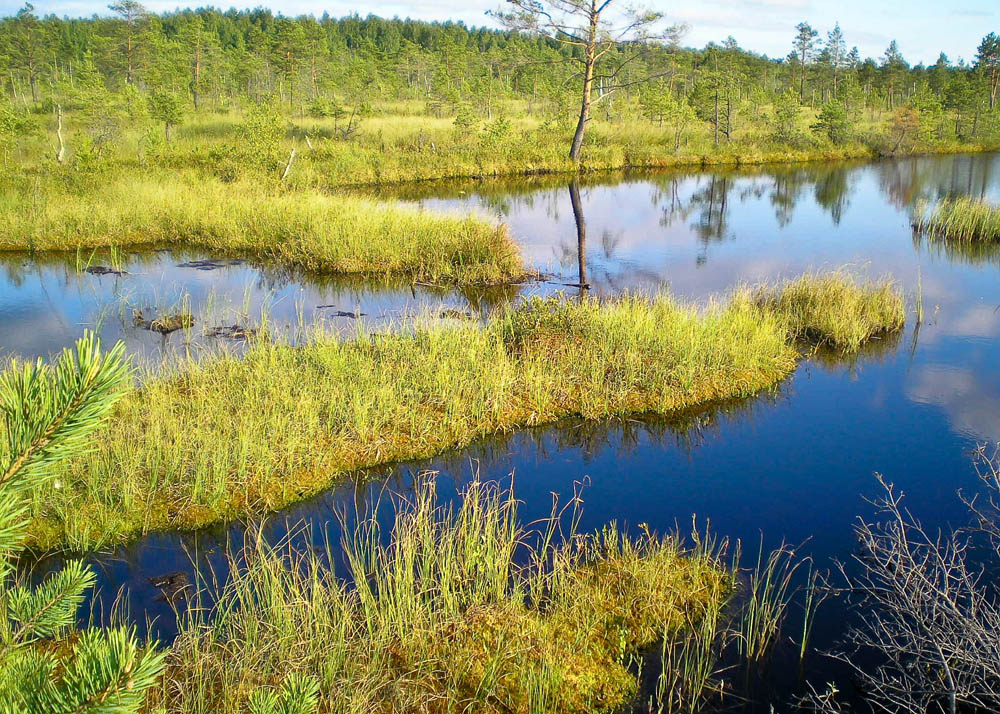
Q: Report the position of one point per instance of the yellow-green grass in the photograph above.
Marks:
(390, 150)
(307, 229)
(459, 609)
(967, 220)
(236, 436)
(833, 310)
(402, 143)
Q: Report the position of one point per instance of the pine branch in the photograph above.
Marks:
(24, 671)
(299, 694)
(48, 412)
(107, 673)
(48, 610)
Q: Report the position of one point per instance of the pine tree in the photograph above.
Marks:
(805, 47)
(893, 69)
(166, 107)
(47, 413)
(988, 62)
(130, 45)
(24, 43)
(836, 54)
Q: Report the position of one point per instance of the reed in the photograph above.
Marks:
(228, 437)
(963, 219)
(689, 656)
(769, 592)
(451, 609)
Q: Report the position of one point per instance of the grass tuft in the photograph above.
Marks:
(835, 310)
(454, 609)
(306, 229)
(960, 219)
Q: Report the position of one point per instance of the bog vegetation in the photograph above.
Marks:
(457, 609)
(116, 129)
(964, 220)
(233, 436)
(240, 132)
(307, 229)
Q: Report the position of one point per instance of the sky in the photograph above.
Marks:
(923, 28)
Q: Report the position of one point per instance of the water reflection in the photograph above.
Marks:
(971, 252)
(47, 300)
(581, 237)
(696, 233)
(652, 224)
(905, 182)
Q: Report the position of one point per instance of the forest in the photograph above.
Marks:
(211, 89)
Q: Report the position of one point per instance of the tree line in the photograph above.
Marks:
(210, 60)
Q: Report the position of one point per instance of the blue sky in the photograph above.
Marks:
(922, 27)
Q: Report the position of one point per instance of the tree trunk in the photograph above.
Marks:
(313, 72)
(588, 85)
(128, 60)
(581, 235)
(729, 118)
(715, 121)
(61, 150)
(288, 166)
(197, 78)
(802, 78)
(581, 124)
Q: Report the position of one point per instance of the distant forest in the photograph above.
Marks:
(210, 58)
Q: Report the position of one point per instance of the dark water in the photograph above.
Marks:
(794, 466)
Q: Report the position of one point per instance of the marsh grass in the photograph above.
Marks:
(228, 437)
(967, 220)
(451, 609)
(401, 142)
(689, 656)
(769, 592)
(836, 309)
(306, 229)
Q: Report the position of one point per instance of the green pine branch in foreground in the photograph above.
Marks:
(48, 412)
